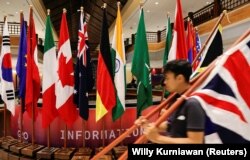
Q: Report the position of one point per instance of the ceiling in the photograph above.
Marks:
(155, 15)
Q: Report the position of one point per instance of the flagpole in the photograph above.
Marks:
(33, 108)
(4, 121)
(210, 36)
(5, 109)
(83, 133)
(21, 120)
(83, 121)
(103, 123)
(21, 100)
(65, 136)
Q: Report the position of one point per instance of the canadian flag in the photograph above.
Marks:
(65, 83)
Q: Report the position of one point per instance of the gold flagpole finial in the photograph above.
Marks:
(81, 8)
(104, 5)
(118, 3)
(48, 12)
(226, 14)
(141, 4)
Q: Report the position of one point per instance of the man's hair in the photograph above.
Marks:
(177, 67)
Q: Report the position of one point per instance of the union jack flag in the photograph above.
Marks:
(225, 97)
(82, 38)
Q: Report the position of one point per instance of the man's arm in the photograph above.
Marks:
(193, 137)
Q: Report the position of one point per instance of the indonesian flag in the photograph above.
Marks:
(178, 49)
(7, 88)
(49, 111)
(65, 83)
(32, 76)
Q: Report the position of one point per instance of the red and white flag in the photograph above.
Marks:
(32, 76)
(179, 46)
(65, 83)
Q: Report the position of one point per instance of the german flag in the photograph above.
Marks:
(105, 89)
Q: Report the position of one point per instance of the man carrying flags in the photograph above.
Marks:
(187, 123)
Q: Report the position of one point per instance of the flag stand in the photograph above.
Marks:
(64, 153)
(47, 153)
(6, 141)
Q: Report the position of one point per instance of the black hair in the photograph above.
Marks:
(178, 67)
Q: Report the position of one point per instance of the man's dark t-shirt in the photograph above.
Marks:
(188, 117)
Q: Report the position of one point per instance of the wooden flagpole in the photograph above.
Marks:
(209, 37)
(4, 121)
(5, 108)
(21, 100)
(83, 121)
(83, 133)
(65, 136)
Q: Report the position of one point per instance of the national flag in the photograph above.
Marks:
(32, 74)
(168, 41)
(225, 97)
(105, 89)
(65, 83)
(84, 81)
(21, 62)
(7, 87)
(197, 48)
(49, 111)
(178, 49)
(141, 68)
(214, 48)
(190, 41)
(120, 67)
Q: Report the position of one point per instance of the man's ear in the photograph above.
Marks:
(180, 77)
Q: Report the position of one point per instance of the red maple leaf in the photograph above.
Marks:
(65, 71)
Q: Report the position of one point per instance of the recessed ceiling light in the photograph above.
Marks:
(208, 2)
(156, 3)
(148, 11)
(7, 3)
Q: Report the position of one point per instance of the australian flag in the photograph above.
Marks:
(225, 97)
(21, 63)
(84, 81)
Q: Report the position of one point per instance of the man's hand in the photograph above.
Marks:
(151, 132)
(141, 121)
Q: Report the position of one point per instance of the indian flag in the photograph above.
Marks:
(120, 66)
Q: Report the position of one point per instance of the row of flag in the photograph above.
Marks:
(61, 88)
